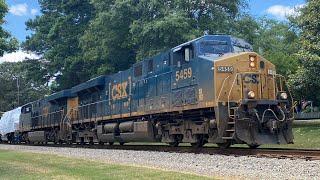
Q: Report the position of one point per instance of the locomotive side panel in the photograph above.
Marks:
(206, 90)
(138, 90)
(119, 94)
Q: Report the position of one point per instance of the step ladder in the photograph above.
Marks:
(230, 130)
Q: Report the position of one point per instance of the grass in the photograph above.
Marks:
(22, 165)
(305, 137)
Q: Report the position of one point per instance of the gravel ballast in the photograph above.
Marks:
(202, 164)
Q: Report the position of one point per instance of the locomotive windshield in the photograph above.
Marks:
(214, 47)
(241, 49)
(218, 45)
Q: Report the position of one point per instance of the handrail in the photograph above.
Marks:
(290, 94)
(222, 87)
(218, 98)
(234, 81)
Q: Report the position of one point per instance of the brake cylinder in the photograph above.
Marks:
(110, 128)
(126, 127)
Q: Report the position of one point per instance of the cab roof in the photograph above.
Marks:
(230, 39)
(98, 81)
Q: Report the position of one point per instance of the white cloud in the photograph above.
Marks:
(18, 56)
(19, 9)
(34, 11)
(282, 12)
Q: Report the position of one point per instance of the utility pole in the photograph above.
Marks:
(18, 87)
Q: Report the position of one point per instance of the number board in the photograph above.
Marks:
(183, 74)
(225, 69)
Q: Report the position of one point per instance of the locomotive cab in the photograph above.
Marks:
(252, 103)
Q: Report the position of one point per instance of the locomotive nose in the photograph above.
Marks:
(245, 76)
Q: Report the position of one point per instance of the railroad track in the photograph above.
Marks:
(279, 153)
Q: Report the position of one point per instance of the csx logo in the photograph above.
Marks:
(250, 78)
(119, 91)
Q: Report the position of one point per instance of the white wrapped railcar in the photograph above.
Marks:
(9, 124)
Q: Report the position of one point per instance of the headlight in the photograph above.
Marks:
(284, 96)
(251, 95)
(252, 61)
(252, 64)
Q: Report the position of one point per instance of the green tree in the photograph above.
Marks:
(107, 42)
(7, 43)
(82, 39)
(125, 31)
(277, 42)
(56, 36)
(306, 81)
(21, 80)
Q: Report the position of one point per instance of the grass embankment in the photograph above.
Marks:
(306, 135)
(18, 165)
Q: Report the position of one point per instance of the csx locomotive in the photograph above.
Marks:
(213, 89)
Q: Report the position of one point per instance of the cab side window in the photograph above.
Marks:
(138, 70)
(26, 109)
(150, 66)
(182, 55)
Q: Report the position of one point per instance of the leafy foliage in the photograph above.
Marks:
(56, 35)
(306, 82)
(276, 41)
(29, 76)
(83, 39)
(7, 44)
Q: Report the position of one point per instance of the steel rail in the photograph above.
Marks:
(280, 153)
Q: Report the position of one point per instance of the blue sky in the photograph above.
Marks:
(19, 12)
(273, 8)
(22, 10)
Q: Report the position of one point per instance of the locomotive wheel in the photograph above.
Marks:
(121, 143)
(111, 143)
(199, 143)
(91, 143)
(82, 141)
(174, 144)
(224, 145)
(253, 146)
(176, 141)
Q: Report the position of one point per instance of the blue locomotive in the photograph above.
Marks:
(213, 89)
